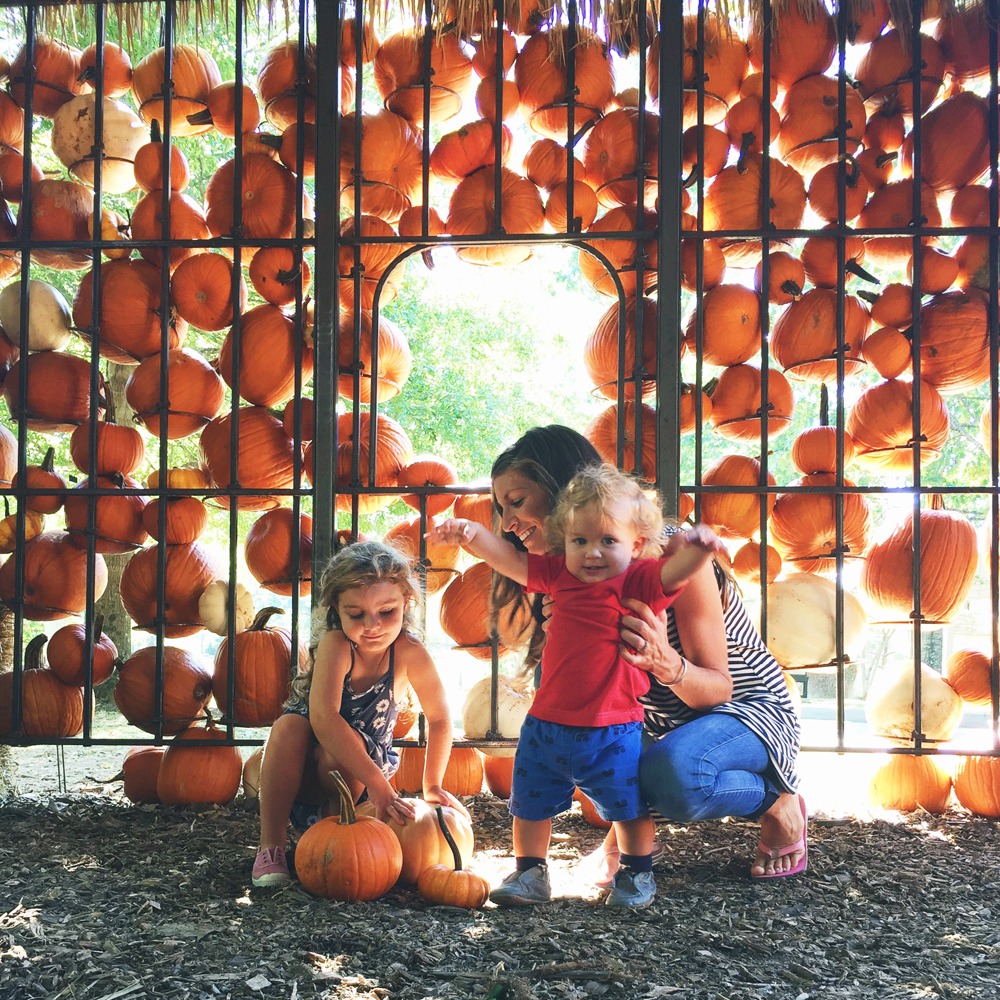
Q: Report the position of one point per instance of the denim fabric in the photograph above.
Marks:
(712, 766)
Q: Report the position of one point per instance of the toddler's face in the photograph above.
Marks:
(600, 544)
(372, 617)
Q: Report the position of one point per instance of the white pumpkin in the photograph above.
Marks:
(213, 607)
(49, 315)
(251, 774)
(513, 701)
(890, 701)
(73, 132)
(802, 620)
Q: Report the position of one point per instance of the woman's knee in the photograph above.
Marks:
(670, 786)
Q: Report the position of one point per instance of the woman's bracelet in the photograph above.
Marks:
(680, 676)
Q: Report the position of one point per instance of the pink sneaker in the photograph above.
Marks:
(270, 867)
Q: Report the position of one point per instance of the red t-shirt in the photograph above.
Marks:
(585, 682)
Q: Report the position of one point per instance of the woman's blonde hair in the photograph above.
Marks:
(604, 487)
(359, 564)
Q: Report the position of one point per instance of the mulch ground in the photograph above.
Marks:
(102, 900)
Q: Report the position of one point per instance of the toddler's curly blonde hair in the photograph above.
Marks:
(604, 486)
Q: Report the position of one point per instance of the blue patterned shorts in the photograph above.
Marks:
(552, 760)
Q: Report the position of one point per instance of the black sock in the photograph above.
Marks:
(523, 864)
(637, 862)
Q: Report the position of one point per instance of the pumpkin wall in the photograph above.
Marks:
(787, 231)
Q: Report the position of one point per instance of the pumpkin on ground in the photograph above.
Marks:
(452, 886)
(193, 770)
(908, 782)
(140, 769)
(348, 857)
(50, 709)
(977, 785)
(423, 842)
(462, 776)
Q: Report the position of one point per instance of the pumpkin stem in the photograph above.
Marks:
(48, 463)
(86, 76)
(936, 502)
(749, 138)
(427, 258)
(792, 288)
(859, 272)
(709, 387)
(263, 615)
(33, 652)
(881, 161)
(347, 813)
(269, 139)
(155, 135)
(852, 170)
(868, 296)
(98, 626)
(455, 852)
(203, 117)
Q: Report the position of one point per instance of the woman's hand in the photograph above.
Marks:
(389, 804)
(436, 795)
(644, 642)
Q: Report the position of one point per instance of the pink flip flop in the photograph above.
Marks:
(779, 852)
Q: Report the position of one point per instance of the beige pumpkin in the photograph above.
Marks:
(50, 318)
(889, 706)
(513, 702)
(73, 130)
(213, 607)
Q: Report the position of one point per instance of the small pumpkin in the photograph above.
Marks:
(452, 886)
(440, 559)
(348, 857)
(422, 841)
(213, 607)
(43, 477)
(429, 471)
(193, 770)
(185, 520)
(968, 672)
(69, 657)
(140, 769)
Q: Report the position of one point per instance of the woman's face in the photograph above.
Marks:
(524, 507)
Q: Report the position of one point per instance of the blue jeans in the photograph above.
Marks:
(712, 766)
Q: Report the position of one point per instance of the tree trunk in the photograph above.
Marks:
(8, 765)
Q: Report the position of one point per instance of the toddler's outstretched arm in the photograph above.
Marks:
(492, 549)
(687, 551)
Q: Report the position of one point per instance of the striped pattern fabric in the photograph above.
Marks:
(760, 698)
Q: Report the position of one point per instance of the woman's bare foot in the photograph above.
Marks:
(782, 825)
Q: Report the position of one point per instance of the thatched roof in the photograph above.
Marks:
(613, 18)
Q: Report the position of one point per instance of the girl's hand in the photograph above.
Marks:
(547, 601)
(450, 531)
(436, 795)
(389, 804)
(644, 642)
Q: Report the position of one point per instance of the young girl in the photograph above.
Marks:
(341, 712)
(585, 724)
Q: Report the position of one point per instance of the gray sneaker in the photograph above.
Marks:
(632, 889)
(523, 888)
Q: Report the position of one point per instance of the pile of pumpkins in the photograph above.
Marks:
(906, 781)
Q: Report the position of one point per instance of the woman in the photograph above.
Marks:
(722, 733)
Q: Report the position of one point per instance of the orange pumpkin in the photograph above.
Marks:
(746, 563)
(730, 326)
(824, 190)
(55, 75)
(804, 337)
(198, 767)
(372, 260)
(440, 560)
(263, 672)
(348, 857)
(465, 611)
(149, 162)
(55, 578)
(185, 519)
(611, 161)
(269, 554)
(894, 306)
(907, 782)
(43, 477)
(116, 78)
(58, 394)
(602, 433)
(187, 222)
(187, 686)
(954, 143)
(970, 206)
(735, 515)
(70, 658)
(815, 450)
(429, 471)
(955, 341)
(117, 515)
(220, 109)
(194, 393)
(626, 257)
(938, 270)
(540, 72)
(462, 776)
(786, 277)
(891, 207)
(12, 177)
(462, 152)
(881, 424)
(885, 72)
(803, 526)
(821, 259)
(472, 212)
(189, 570)
(279, 275)
(737, 404)
(60, 212)
(270, 361)
(713, 263)
(140, 769)
(127, 335)
(689, 408)
(967, 670)
(475, 507)
(600, 353)
(804, 45)
(421, 839)
(49, 708)
(888, 351)
(704, 151)
(948, 556)
(282, 77)
(723, 64)
(388, 173)
(977, 785)
(394, 358)
(546, 164)
(589, 811)
(264, 456)
(452, 885)
(193, 74)
(745, 126)
(269, 196)
(399, 71)
(201, 289)
(119, 449)
(486, 100)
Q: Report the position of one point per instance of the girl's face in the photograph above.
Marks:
(524, 507)
(372, 616)
(600, 544)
